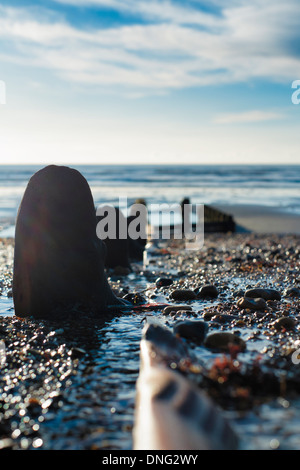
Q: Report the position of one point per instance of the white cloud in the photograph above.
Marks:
(248, 117)
(179, 47)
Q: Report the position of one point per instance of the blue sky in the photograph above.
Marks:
(149, 81)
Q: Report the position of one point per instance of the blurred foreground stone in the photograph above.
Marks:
(171, 412)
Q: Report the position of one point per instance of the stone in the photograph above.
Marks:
(164, 340)
(238, 293)
(285, 323)
(176, 308)
(171, 411)
(183, 294)
(137, 219)
(58, 259)
(193, 330)
(266, 294)
(207, 316)
(135, 298)
(223, 341)
(292, 292)
(136, 250)
(223, 318)
(163, 282)
(240, 323)
(208, 291)
(114, 237)
(252, 304)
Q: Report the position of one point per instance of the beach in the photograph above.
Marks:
(263, 219)
(70, 383)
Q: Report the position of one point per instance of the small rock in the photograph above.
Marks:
(76, 353)
(184, 312)
(134, 298)
(176, 308)
(183, 294)
(240, 323)
(286, 323)
(252, 304)
(266, 294)
(223, 318)
(193, 330)
(163, 282)
(207, 316)
(208, 291)
(292, 292)
(223, 340)
(164, 340)
(238, 293)
(60, 331)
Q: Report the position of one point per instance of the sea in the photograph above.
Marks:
(276, 186)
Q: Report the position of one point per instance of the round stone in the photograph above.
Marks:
(183, 294)
(252, 304)
(208, 291)
(163, 282)
(285, 323)
(266, 294)
(176, 308)
(193, 330)
(223, 341)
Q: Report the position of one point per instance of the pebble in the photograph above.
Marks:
(163, 282)
(266, 294)
(193, 330)
(176, 308)
(292, 292)
(59, 331)
(134, 298)
(223, 340)
(76, 353)
(163, 339)
(209, 315)
(183, 294)
(238, 293)
(284, 322)
(208, 291)
(252, 304)
(223, 318)
(240, 323)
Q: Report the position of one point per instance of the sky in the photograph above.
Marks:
(149, 81)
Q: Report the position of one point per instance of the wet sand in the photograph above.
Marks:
(263, 219)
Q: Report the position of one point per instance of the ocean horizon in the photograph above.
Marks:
(273, 186)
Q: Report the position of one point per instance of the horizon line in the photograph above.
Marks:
(150, 164)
